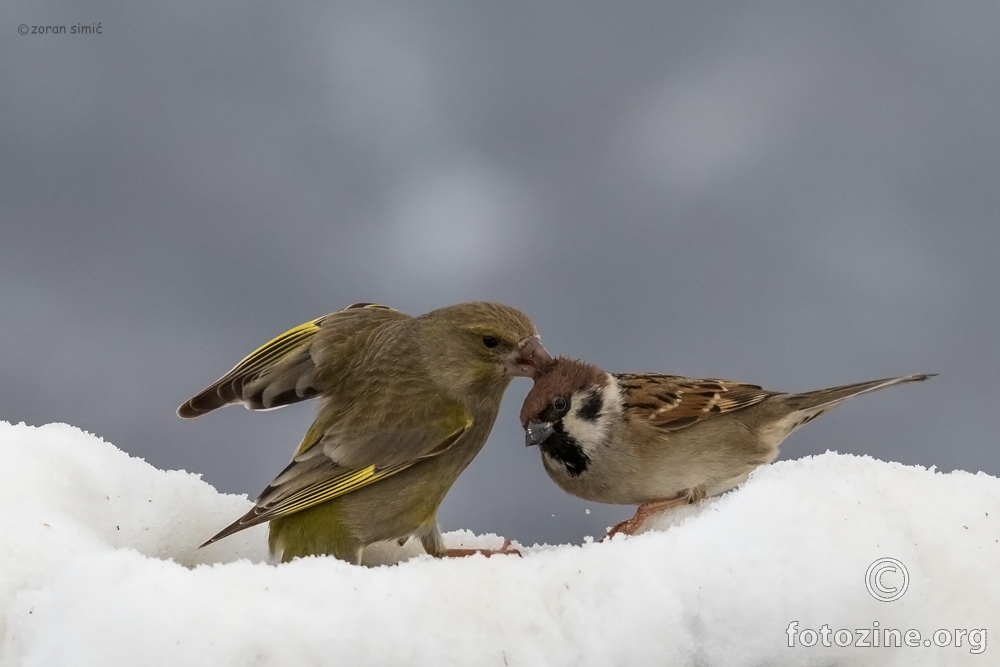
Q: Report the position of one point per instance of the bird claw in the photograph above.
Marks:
(505, 549)
(644, 511)
(628, 527)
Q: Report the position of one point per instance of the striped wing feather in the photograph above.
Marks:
(672, 402)
(282, 371)
(313, 478)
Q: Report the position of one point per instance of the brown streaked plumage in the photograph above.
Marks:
(406, 403)
(657, 440)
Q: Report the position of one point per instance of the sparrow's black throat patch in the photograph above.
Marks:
(565, 449)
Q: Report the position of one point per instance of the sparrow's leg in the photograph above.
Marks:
(505, 549)
(629, 526)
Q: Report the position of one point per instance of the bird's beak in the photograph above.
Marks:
(531, 359)
(535, 433)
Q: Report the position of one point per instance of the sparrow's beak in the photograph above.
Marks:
(531, 359)
(535, 433)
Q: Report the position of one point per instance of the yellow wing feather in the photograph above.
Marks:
(266, 354)
(338, 483)
(277, 373)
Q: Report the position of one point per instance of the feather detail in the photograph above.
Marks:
(672, 402)
(800, 409)
(278, 373)
(310, 480)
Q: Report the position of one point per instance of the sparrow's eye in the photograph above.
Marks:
(490, 341)
(559, 403)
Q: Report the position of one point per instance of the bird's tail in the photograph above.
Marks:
(807, 406)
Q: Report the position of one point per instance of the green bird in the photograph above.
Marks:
(406, 403)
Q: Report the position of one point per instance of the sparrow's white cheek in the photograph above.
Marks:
(588, 434)
(590, 428)
(612, 398)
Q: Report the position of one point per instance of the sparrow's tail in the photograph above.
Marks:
(803, 408)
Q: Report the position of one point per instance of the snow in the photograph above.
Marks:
(99, 565)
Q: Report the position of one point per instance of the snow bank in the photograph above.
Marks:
(99, 566)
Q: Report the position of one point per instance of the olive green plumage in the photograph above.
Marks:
(406, 403)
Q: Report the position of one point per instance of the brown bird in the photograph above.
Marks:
(659, 441)
(406, 403)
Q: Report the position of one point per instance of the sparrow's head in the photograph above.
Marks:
(478, 344)
(569, 412)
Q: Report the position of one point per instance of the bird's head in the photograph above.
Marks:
(569, 412)
(479, 344)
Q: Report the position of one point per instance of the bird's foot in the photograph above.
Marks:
(630, 526)
(505, 549)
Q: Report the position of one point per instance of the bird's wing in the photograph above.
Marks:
(283, 371)
(317, 475)
(671, 402)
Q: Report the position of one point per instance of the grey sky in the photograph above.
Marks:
(796, 195)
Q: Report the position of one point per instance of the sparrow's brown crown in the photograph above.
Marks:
(562, 377)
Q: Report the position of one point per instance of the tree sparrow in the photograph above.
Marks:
(657, 440)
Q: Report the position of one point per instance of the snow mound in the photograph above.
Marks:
(99, 566)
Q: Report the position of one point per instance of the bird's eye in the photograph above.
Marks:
(559, 403)
(490, 341)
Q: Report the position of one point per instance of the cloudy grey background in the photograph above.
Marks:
(791, 194)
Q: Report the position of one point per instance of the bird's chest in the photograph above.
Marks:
(622, 470)
(595, 473)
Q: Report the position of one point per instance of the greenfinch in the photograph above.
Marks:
(659, 441)
(405, 404)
